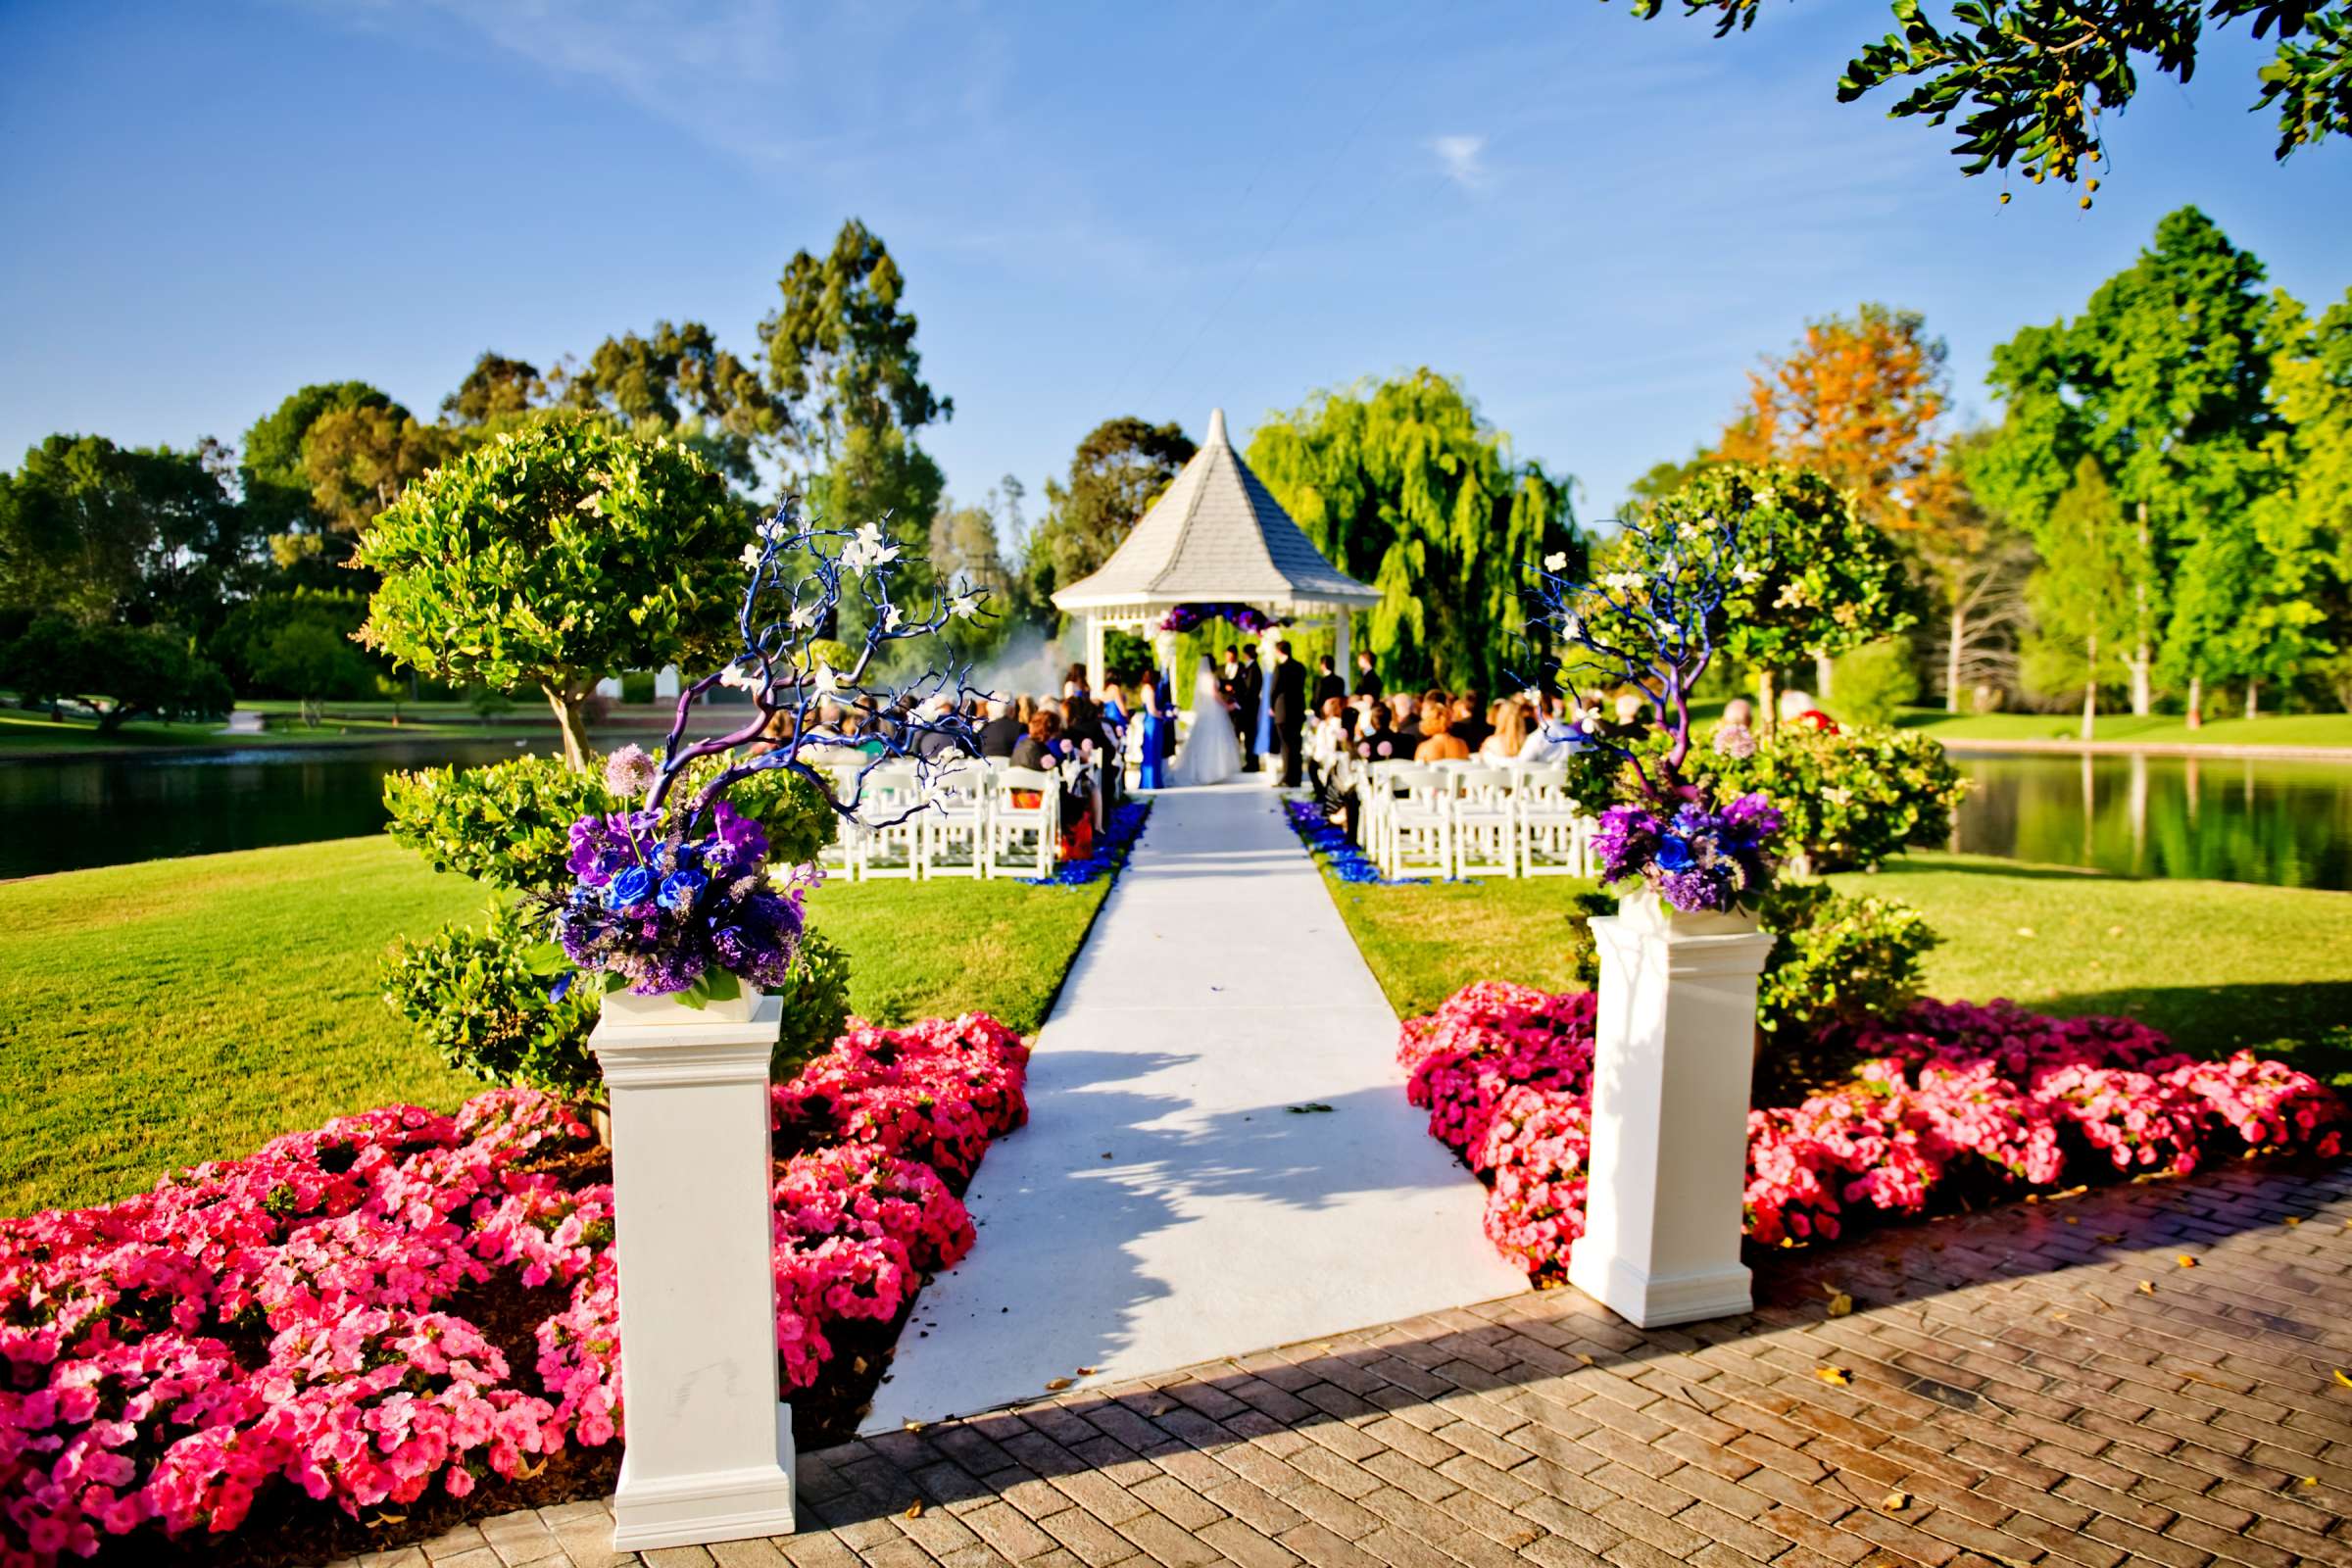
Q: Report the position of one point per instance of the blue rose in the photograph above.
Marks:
(629, 888)
(680, 888)
(1672, 853)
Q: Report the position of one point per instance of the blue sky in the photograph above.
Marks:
(1597, 224)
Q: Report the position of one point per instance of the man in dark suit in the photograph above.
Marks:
(1001, 732)
(1289, 697)
(1327, 685)
(1368, 679)
(1245, 685)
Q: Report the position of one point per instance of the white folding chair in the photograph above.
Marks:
(892, 797)
(1485, 822)
(954, 825)
(1024, 823)
(1552, 830)
(840, 857)
(1420, 837)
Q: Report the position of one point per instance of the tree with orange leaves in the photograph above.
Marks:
(1856, 399)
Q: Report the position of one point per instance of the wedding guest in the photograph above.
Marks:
(1329, 741)
(1328, 683)
(935, 743)
(1471, 724)
(1074, 685)
(1437, 743)
(1081, 726)
(1002, 731)
(1509, 736)
(1152, 752)
(1025, 709)
(1037, 748)
(1368, 679)
(1285, 704)
(1405, 716)
(1732, 736)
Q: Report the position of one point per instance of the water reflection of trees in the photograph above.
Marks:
(2235, 819)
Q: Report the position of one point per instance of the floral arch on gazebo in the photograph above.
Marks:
(1219, 539)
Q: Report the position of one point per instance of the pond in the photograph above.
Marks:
(2249, 822)
(2238, 820)
(103, 810)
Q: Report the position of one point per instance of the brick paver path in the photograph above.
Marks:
(2047, 1381)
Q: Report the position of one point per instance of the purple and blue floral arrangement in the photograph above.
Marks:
(1652, 625)
(677, 896)
(1185, 617)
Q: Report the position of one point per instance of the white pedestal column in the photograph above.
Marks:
(1672, 1052)
(708, 1452)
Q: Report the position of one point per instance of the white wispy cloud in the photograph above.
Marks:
(1462, 158)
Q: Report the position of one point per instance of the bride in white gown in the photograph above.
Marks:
(1211, 752)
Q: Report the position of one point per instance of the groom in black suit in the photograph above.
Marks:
(1244, 684)
(1290, 711)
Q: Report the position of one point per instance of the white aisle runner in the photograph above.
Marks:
(1165, 1204)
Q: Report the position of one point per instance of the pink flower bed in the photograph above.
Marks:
(293, 1321)
(1951, 1093)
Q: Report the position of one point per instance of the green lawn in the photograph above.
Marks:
(159, 1014)
(2157, 729)
(2215, 964)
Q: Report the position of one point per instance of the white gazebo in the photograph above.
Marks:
(1217, 537)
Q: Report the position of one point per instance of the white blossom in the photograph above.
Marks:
(965, 606)
(1623, 581)
(1557, 561)
(892, 616)
(753, 555)
(805, 616)
(744, 676)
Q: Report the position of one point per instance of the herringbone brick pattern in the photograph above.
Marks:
(2140, 1373)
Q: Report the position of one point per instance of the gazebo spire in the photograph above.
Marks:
(1216, 429)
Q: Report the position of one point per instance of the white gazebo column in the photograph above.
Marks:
(1673, 1049)
(1094, 650)
(708, 1453)
(1338, 645)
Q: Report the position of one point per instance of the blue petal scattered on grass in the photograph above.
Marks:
(1332, 845)
(1110, 851)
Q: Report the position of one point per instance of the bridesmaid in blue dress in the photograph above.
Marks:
(1156, 722)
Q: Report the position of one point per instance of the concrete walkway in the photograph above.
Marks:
(1166, 1205)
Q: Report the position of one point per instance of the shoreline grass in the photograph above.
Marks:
(2220, 966)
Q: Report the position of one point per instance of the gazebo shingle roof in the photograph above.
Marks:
(1218, 536)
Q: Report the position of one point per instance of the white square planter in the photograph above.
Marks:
(708, 1450)
(1672, 1052)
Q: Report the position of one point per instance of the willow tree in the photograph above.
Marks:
(1401, 484)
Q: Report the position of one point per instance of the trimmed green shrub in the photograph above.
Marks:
(1839, 961)
(477, 999)
(508, 825)
(1847, 799)
(816, 1004)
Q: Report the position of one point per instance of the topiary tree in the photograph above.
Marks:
(1816, 579)
(552, 555)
